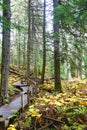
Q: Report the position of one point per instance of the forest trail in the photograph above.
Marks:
(9, 109)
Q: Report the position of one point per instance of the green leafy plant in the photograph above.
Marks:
(14, 115)
(80, 110)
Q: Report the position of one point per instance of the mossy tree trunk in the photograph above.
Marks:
(44, 44)
(56, 51)
(5, 49)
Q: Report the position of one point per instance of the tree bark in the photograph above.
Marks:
(19, 50)
(83, 65)
(44, 44)
(24, 51)
(56, 51)
(28, 44)
(5, 49)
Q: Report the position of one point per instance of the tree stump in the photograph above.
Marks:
(2, 123)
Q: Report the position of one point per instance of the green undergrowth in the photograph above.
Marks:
(13, 91)
(71, 116)
(65, 111)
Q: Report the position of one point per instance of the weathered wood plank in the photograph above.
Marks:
(2, 123)
(15, 105)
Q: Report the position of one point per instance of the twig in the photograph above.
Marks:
(50, 118)
(45, 126)
(55, 127)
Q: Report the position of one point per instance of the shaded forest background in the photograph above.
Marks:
(46, 38)
(44, 44)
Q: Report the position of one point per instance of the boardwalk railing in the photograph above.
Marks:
(19, 103)
(2, 123)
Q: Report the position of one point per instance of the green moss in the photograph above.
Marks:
(77, 126)
(65, 127)
(12, 91)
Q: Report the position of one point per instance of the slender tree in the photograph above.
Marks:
(5, 49)
(56, 51)
(24, 51)
(19, 50)
(28, 44)
(44, 44)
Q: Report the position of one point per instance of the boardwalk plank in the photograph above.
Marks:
(7, 110)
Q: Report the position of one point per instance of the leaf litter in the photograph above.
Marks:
(50, 110)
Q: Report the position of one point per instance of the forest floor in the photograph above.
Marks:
(50, 110)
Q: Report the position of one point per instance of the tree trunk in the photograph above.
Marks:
(24, 52)
(56, 52)
(69, 71)
(44, 44)
(28, 44)
(5, 50)
(76, 68)
(83, 65)
(19, 51)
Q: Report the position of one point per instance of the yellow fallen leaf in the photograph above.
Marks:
(11, 127)
(83, 102)
(59, 118)
(58, 103)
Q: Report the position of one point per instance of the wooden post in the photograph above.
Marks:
(22, 104)
(28, 96)
(2, 123)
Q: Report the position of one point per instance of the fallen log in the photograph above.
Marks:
(47, 79)
(14, 72)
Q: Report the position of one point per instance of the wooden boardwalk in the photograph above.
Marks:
(7, 110)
